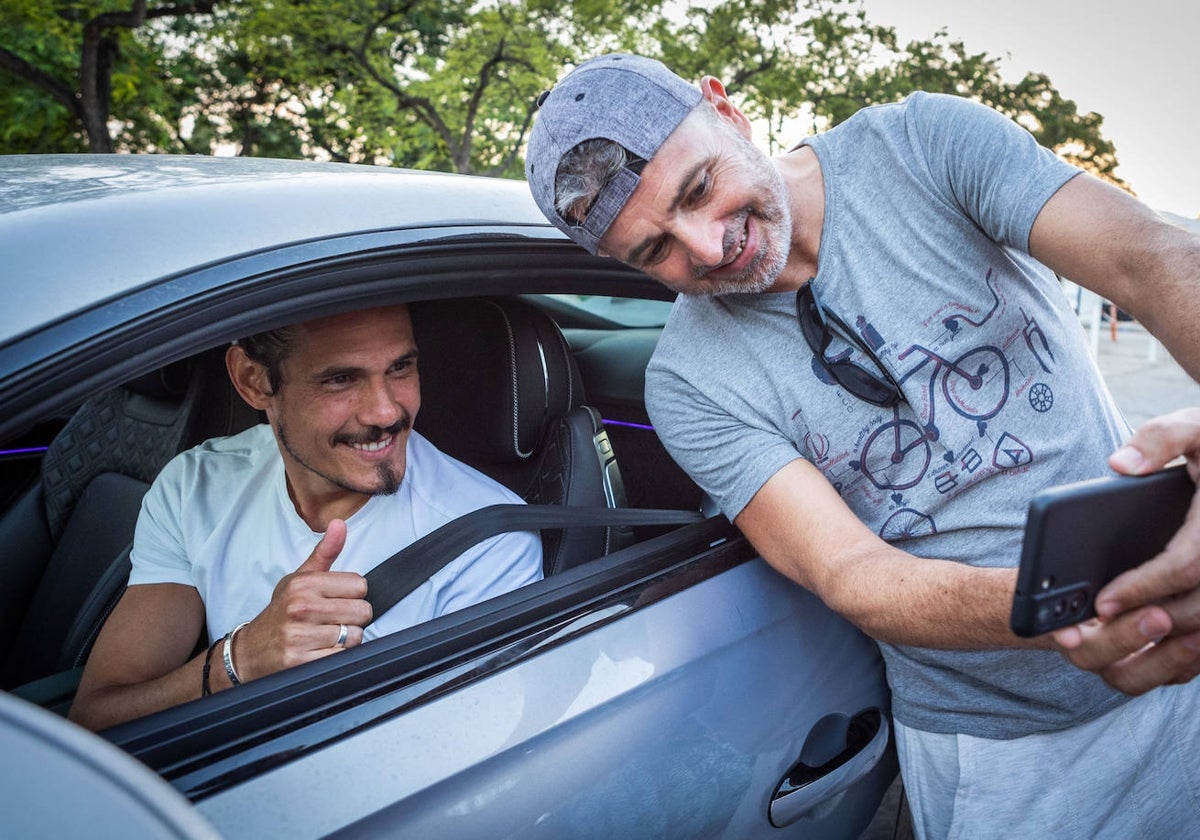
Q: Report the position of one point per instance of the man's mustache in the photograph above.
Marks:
(374, 434)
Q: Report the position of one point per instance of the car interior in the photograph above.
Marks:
(534, 393)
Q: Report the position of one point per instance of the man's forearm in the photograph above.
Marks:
(1166, 296)
(891, 595)
(903, 599)
(1105, 240)
(101, 706)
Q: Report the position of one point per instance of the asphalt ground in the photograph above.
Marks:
(1143, 378)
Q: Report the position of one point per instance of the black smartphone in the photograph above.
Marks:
(1080, 536)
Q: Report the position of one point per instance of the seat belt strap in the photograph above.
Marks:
(414, 564)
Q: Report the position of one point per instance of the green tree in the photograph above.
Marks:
(73, 69)
(308, 78)
(431, 85)
(942, 64)
(419, 83)
(800, 68)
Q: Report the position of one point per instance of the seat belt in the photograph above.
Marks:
(414, 564)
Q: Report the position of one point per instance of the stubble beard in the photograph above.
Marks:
(774, 217)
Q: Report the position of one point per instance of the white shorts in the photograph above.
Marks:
(1132, 773)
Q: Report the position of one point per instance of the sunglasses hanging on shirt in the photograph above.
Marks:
(860, 382)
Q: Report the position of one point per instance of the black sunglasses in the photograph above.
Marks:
(880, 391)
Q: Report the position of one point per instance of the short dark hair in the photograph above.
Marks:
(270, 349)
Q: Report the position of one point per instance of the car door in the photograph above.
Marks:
(665, 691)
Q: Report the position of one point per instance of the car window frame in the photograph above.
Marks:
(55, 369)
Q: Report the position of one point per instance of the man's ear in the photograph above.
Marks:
(712, 90)
(249, 378)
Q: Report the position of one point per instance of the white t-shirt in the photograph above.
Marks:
(219, 518)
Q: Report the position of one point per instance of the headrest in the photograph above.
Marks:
(494, 372)
(166, 383)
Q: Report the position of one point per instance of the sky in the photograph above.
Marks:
(1132, 62)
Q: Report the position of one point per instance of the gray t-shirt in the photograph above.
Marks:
(923, 258)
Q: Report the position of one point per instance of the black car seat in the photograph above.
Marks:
(67, 539)
(501, 392)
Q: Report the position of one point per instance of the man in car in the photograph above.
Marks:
(871, 369)
(261, 540)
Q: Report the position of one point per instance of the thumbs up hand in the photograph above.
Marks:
(306, 615)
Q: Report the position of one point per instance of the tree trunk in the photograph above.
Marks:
(95, 84)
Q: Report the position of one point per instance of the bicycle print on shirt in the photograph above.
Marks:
(945, 437)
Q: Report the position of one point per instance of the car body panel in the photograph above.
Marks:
(85, 786)
(637, 731)
(81, 229)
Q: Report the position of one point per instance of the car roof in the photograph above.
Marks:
(76, 230)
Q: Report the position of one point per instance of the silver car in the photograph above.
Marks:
(662, 681)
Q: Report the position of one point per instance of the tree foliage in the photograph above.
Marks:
(77, 64)
(427, 84)
(800, 68)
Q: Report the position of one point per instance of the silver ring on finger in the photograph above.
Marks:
(343, 632)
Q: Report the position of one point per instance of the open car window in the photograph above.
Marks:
(624, 311)
(91, 471)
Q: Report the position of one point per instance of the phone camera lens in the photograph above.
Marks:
(1077, 602)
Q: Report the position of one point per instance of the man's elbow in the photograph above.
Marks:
(97, 707)
(84, 712)
(853, 587)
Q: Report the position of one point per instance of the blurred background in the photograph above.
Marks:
(450, 86)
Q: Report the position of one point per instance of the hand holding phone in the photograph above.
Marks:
(1080, 536)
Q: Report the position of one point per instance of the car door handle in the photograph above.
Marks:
(853, 745)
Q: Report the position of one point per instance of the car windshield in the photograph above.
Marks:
(628, 312)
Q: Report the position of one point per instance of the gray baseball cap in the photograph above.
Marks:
(633, 101)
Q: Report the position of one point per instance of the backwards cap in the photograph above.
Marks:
(636, 102)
